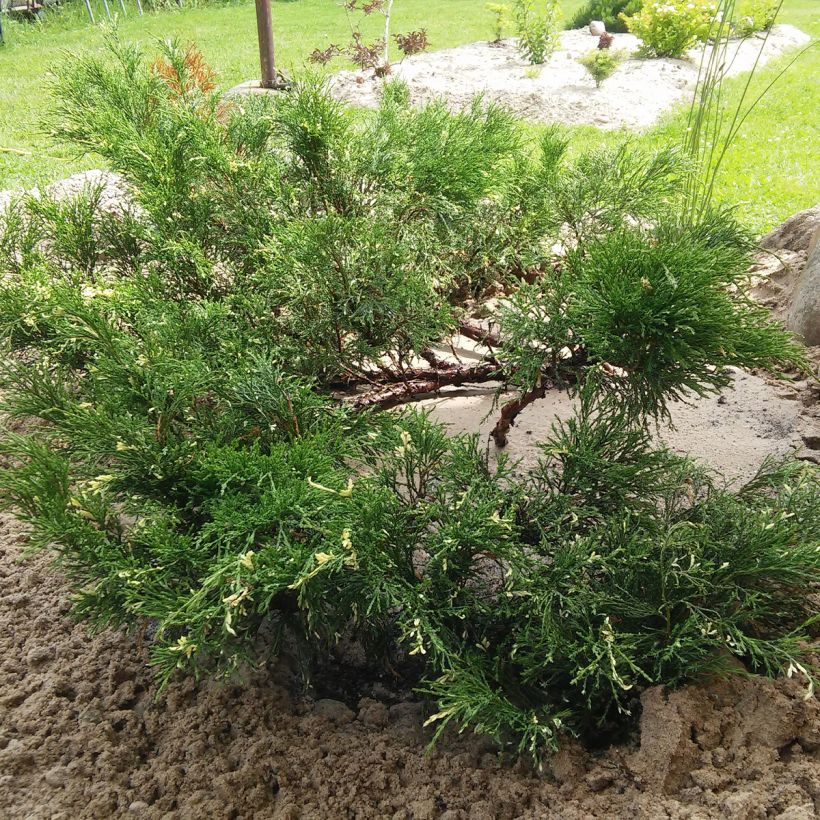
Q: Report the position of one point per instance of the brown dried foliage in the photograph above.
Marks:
(193, 75)
(322, 56)
(412, 43)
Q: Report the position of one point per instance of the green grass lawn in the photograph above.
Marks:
(770, 173)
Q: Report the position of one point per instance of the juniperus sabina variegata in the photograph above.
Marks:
(187, 453)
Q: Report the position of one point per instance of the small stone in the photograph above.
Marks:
(423, 809)
(137, 806)
(373, 713)
(56, 776)
(40, 656)
(597, 28)
(334, 710)
(482, 810)
(804, 812)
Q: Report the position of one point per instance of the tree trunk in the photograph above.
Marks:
(264, 29)
(387, 32)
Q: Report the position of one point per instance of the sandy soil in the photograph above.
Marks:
(733, 432)
(562, 91)
(114, 196)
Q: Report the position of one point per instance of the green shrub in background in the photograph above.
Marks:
(185, 455)
(670, 29)
(602, 63)
(537, 28)
(755, 15)
(608, 11)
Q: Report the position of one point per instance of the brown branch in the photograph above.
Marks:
(478, 333)
(511, 409)
(411, 374)
(412, 389)
(437, 362)
(551, 376)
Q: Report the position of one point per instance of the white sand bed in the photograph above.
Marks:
(732, 433)
(562, 90)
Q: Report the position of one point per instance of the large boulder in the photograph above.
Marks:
(802, 314)
(795, 233)
(789, 274)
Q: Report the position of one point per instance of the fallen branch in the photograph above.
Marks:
(413, 389)
(382, 377)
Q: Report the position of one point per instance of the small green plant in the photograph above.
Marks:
(537, 28)
(500, 13)
(602, 63)
(669, 28)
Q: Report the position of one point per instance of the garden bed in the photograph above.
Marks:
(561, 91)
(82, 732)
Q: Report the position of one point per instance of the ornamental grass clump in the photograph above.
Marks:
(196, 397)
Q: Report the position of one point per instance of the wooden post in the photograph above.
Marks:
(264, 28)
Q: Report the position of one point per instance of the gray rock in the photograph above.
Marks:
(803, 313)
(795, 233)
(596, 28)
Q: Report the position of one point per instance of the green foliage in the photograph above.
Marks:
(170, 371)
(500, 13)
(755, 15)
(602, 63)
(670, 29)
(607, 11)
(537, 28)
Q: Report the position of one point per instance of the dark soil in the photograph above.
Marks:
(83, 735)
